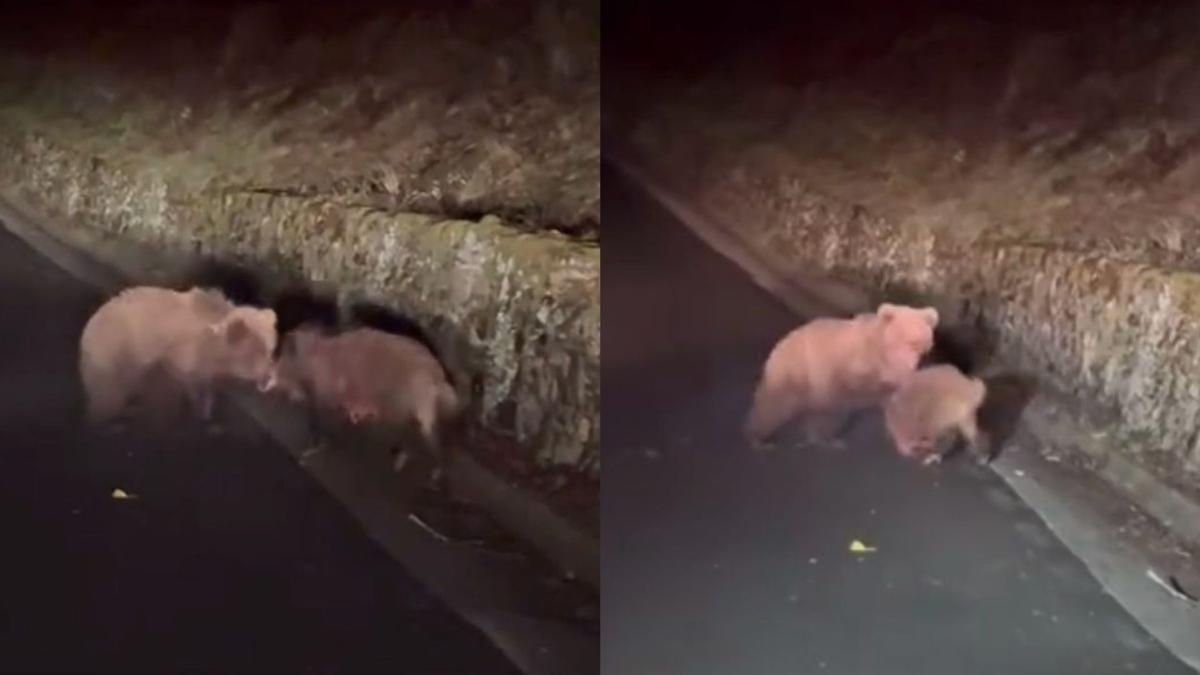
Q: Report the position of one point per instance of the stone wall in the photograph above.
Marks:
(488, 239)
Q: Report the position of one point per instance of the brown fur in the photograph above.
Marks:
(933, 402)
(194, 337)
(828, 367)
(311, 370)
(369, 374)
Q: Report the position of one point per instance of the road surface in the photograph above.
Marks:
(230, 559)
(718, 560)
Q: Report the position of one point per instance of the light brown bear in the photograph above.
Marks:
(366, 374)
(195, 338)
(932, 403)
(831, 367)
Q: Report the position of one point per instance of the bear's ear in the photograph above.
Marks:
(887, 311)
(931, 316)
(237, 330)
(220, 327)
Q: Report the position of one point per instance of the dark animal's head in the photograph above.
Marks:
(288, 372)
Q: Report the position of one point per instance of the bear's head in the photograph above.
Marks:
(906, 334)
(244, 343)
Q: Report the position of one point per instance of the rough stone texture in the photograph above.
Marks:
(1048, 197)
(517, 297)
(473, 109)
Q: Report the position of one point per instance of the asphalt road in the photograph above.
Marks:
(230, 559)
(719, 560)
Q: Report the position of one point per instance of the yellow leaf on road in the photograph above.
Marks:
(857, 546)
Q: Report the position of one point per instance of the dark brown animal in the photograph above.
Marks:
(369, 375)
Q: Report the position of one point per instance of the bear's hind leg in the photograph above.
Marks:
(771, 410)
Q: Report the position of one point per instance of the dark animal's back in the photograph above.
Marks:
(390, 367)
(380, 318)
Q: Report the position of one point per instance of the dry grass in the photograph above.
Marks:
(1083, 137)
(487, 108)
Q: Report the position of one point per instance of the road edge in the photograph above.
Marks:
(1122, 572)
